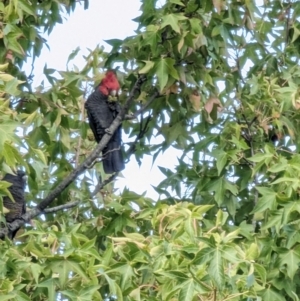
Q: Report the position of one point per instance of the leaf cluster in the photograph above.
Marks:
(225, 77)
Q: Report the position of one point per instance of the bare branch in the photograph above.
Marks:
(101, 184)
(129, 117)
(61, 207)
(142, 132)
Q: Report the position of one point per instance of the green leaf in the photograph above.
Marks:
(73, 55)
(219, 187)
(215, 269)
(261, 272)
(8, 297)
(173, 20)
(165, 67)
(114, 42)
(270, 294)
(148, 66)
(72, 295)
(11, 87)
(50, 286)
(39, 134)
(6, 77)
(64, 267)
(260, 157)
(252, 252)
(69, 77)
(274, 220)
(20, 296)
(286, 179)
(195, 25)
(162, 73)
(178, 2)
(186, 293)
(36, 270)
(280, 166)
(24, 6)
(221, 159)
(126, 272)
(3, 67)
(40, 154)
(12, 44)
(7, 129)
(291, 258)
(266, 201)
(86, 294)
(11, 155)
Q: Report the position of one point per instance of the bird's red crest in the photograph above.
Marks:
(109, 83)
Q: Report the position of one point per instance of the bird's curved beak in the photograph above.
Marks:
(113, 92)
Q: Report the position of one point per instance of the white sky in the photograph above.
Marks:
(104, 20)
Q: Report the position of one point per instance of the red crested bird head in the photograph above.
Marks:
(109, 84)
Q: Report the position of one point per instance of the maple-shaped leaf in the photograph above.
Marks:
(165, 68)
(173, 21)
(7, 132)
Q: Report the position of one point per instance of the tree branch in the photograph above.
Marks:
(61, 207)
(147, 104)
(142, 132)
(101, 184)
(78, 170)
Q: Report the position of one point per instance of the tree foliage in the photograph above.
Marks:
(217, 80)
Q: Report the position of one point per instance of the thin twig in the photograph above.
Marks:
(147, 104)
(143, 129)
(61, 207)
(101, 184)
(255, 181)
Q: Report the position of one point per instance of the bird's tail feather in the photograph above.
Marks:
(113, 158)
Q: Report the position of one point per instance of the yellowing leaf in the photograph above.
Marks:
(30, 118)
(296, 104)
(40, 154)
(171, 90)
(213, 101)
(3, 66)
(6, 77)
(195, 99)
(180, 44)
(148, 66)
(218, 5)
(11, 155)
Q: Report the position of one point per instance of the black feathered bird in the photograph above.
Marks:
(101, 113)
(18, 207)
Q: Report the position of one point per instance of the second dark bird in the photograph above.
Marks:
(101, 112)
(18, 207)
